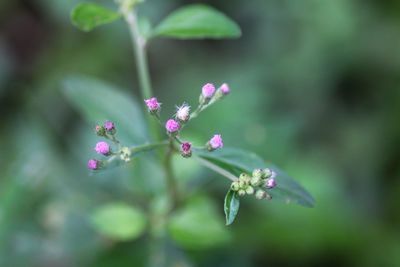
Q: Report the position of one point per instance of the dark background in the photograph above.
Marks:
(315, 89)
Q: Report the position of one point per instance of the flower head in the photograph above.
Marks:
(172, 126)
(186, 150)
(93, 164)
(102, 148)
(100, 131)
(183, 113)
(225, 89)
(109, 126)
(208, 90)
(215, 142)
(152, 104)
(270, 183)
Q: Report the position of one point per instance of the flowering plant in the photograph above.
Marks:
(247, 172)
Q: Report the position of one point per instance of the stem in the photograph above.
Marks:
(146, 147)
(172, 186)
(217, 169)
(139, 47)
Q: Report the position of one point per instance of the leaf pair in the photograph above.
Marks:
(190, 22)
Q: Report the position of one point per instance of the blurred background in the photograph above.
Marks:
(315, 89)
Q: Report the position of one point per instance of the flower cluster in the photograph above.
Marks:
(257, 184)
(173, 126)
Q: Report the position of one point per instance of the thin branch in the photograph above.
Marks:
(217, 169)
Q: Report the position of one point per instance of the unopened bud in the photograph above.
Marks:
(125, 154)
(109, 127)
(100, 131)
(268, 196)
(186, 150)
(260, 194)
(241, 192)
(235, 186)
(270, 183)
(267, 173)
(255, 181)
(93, 164)
(258, 173)
(103, 148)
(153, 105)
(250, 190)
(215, 143)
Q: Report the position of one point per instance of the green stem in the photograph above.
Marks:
(172, 186)
(139, 47)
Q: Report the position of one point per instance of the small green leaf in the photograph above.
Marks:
(231, 206)
(87, 16)
(237, 161)
(197, 22)
(198, 225)
(118, 221)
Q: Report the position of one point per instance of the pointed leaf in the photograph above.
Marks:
(87, 16)
(197, 22)
(99, 101)
(231, 206)
(237, 161)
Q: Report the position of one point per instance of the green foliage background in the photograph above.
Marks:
(315, 89)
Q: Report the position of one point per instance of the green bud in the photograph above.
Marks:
(235, 186)
(260, 194)
(125, 154)
(258, 173)
(241, 192)
(255, 181)
(244, 176)
(268, 196)
(250, 190)
(242, 183)
(100, 130)
(267, 173)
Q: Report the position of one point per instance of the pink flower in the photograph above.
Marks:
(152, 104)
(225, 89)
(93, 164)
(208, 90)
(102, 148)
(186, 149)
(215, 142)
(109, 125)
(172, 126)
(270, 183)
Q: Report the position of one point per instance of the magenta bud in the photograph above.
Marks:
(186, 150)
(215, 142)
(208, 90)
(270, 183)
(225, 89)
(109, 126)
(172, 126)
(103, 148)
(93, 164)
(152, 104)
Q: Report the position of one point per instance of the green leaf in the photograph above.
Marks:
(231, 206)
(87, 16)
(99, 101)
(119, 221)
(197, 22)
(198, 225)
(237, 161)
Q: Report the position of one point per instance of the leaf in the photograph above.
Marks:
(198, 225)
(99, 101)
(231, 206)
(237, 161)
(119, 221)
(87, 16)
(197, 22)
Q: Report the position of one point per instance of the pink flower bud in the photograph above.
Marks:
(93, 164)
(186, 150)
(225, 89)
(208, 90)
(100, 131)
(270, 183)
(102, 148)
(215, 142)
(183, 113)
(109, 126)
(152, 104)
(172, 126)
